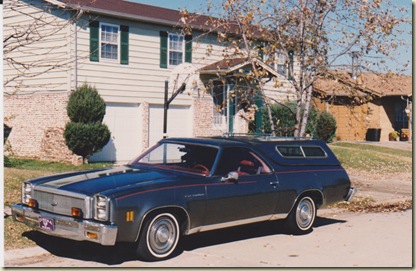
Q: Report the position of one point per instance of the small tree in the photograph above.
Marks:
(85, 134)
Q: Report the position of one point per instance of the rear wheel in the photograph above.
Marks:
(302, 216)
(159, 237)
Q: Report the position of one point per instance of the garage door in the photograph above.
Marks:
(124, 122)
(179, 122)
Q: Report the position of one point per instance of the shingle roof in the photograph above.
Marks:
(340, 83)
(130, 10)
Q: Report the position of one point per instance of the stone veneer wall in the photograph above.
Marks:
(37, 121)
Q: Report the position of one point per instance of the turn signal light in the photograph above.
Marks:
(76, 212)
(33, 203)
(92, 235)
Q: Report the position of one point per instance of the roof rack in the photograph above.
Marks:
(265, 137)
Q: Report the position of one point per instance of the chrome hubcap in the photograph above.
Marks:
(162, 236)
(305, 214)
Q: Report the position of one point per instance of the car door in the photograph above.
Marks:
(252, 197)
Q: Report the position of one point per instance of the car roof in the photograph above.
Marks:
(242, 140)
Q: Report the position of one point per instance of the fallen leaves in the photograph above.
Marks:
(367, 205)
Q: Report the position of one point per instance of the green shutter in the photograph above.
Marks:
(124, 45)
(188, 48)
(94, 40)
(163, 49)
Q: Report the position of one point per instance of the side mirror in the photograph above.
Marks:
(232, 176)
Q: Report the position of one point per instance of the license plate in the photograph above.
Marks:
(47, 223)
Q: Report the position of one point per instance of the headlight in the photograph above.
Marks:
(26, 193)
(101, 207)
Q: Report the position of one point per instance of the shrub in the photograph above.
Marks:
(326, 126)
(85, 105)
(284, 119)
(86, 134)
(86, 139)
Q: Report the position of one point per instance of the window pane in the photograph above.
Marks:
(176, 49)
(175, 58)
(313, 151)
(290, 151)
(109, 41)
(109, 51)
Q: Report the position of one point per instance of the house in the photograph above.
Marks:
(369, 107)
(127, 51)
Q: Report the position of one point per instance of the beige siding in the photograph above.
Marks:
(44, 53)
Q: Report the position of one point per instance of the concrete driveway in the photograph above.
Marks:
(337, 240)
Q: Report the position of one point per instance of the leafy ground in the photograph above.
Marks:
(377, 169)
(373, 168)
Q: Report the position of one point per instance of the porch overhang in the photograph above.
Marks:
(236, 67)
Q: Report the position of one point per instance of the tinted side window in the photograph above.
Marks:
(290, 151)
(301, 151)
(313, 151)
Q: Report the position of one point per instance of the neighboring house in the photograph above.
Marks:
(369, 106)
(127, 51)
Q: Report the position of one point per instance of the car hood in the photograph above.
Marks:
(100, 181)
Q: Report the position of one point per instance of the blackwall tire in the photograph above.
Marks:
(159, 237)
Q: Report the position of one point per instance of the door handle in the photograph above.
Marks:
(274, 183)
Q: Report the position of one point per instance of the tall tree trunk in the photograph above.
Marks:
(306, 111)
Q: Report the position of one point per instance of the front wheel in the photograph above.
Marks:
(302, 216)
(159, 237)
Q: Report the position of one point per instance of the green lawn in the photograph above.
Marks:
(372, 159)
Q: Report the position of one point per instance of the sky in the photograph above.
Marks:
(403, 54)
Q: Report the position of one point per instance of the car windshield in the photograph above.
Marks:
(177, 156)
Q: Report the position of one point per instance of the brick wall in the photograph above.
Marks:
(37, 122)
(202, 116)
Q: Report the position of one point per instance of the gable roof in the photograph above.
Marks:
(130, 10)
(228, 65)
(340, 83)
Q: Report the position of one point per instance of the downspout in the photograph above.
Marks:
(75, 25)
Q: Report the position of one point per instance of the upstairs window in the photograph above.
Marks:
(176, 49)
(109, 41)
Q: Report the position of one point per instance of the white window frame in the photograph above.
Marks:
(280, 63)
(182, 50)
(113, 43)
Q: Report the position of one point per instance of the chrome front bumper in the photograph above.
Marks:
(350, 194)
(66, 227)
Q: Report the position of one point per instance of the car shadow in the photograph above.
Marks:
(123, 252)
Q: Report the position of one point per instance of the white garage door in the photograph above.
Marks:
(124, 122)
(179, 122)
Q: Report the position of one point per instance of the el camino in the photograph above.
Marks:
(183, 186)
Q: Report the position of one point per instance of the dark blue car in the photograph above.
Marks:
(183, 186)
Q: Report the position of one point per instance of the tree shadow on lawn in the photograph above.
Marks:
(123, 252)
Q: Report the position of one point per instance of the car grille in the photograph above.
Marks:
(61, 203)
